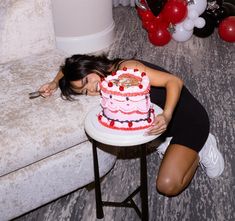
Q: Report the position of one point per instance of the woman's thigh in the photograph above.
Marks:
(177, 169)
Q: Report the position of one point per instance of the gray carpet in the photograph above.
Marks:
(207, 68)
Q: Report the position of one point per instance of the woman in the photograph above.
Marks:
(184, 122)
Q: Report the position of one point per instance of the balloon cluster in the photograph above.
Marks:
(180, 19)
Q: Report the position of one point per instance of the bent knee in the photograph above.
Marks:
(168, 186)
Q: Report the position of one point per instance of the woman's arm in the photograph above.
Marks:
(49, 88)
(58, 77)
(173, 86)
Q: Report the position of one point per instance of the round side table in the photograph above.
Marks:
(101, 134)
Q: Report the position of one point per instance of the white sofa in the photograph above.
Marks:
(44, 151)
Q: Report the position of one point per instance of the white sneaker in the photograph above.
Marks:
(211, 158)
(161, 149)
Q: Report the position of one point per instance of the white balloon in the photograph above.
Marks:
(199, 6)
(188, 24)
(192, 14)
(199, 22)
(184, 30)
(181, 34)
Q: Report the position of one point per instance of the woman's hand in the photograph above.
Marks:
(159, 125)
(48, 89)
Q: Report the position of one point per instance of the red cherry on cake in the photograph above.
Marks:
(99, 117)
(110, 84)
(130, 124)
(112, 123)
(121, 88)
(143, 74)
(113, 73)
(149, 120)
(136, 69)
(124, 69)
(151, 110)
(140, 86)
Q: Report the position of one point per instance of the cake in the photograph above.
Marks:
(125, 100)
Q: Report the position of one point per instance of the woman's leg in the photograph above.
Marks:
(177, 169)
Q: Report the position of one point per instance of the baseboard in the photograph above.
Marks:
(87, 44)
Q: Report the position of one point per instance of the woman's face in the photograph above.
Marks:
(89, 85)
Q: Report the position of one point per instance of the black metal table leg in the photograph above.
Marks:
(144, 183)
(99, 203)
(128, 202)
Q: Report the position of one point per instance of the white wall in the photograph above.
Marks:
(83, 26)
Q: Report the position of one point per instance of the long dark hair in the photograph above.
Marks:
(79, 66)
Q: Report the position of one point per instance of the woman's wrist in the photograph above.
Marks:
(55, 82)
(167, 114)
(57, 78)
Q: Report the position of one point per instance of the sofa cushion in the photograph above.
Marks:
(33, 129)
(26, 28)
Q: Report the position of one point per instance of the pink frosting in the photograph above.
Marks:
(125, 101)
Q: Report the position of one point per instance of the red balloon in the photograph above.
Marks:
(175, 11)
(160, 36)
(159, 18)
(150, 26)
(140, 12)
(145, 24)
(226, 29)
(147, 15)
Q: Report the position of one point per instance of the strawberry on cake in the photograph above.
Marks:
(125, 100)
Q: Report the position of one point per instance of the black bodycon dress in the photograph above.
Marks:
(189, 125)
